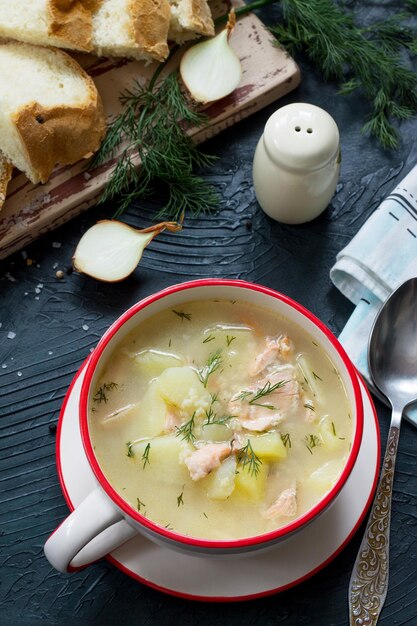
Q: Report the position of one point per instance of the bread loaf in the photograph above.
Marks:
(137, 29)
(50, 110)
(6, 169)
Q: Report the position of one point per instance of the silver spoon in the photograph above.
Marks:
(392, 359)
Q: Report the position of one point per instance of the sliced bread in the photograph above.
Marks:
(137, 29)
(61, 23)
(188, 19)
(50, 110)
(6, 169)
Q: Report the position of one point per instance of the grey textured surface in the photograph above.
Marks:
(58, 322)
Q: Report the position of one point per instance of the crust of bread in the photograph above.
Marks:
(60, 134)
(200, 18)
(6, 170)
(150, 23)
(71, 22)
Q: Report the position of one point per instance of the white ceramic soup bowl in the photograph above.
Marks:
(104, 520)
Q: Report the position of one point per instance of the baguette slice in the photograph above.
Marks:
(188, 19)
(6, 170)
(50, 110)
(137, 29)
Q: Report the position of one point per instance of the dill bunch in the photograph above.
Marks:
(361, 59)
(153, 126)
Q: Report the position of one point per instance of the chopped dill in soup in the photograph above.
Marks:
(220, 420)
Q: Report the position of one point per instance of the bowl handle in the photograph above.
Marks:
(92, 530)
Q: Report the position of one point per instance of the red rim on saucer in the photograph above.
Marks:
(68, 495)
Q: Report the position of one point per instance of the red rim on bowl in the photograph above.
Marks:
(246, 542)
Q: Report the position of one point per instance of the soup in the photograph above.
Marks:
(220, 420)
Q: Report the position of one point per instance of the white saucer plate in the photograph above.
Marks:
(225, 578)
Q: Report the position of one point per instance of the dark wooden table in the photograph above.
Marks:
(57, 322)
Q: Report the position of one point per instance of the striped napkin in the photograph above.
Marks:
(381, 256)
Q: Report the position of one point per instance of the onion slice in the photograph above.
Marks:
(211, 69)
(110, 250)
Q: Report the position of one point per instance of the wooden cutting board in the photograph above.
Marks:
(32, 210)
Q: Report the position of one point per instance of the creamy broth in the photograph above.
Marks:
(220, 420)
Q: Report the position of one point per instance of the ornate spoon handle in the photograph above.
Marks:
(369, 581)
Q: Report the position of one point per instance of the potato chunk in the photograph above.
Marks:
(269, 446)
(181, 388)
(249, 484)
(215, 432)
(154, 362)
(151, 414)
(164, 449)
(221, 482)
(324, 477)
(329, 435)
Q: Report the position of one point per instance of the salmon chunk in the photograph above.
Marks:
(284, 506)
(261, 421)
(276, 351)
(269, 409)
(204, 460)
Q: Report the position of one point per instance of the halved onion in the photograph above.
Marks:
(110, 250)
(211, 69)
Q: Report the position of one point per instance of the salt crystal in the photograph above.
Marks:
(11, 335)
(55, 265)
(50, 352)
(37, 290)
(26, 293)
(4, 366)
(1, 324)
(37, 265)
(87, 176)
(24, 254)
(10, 277)
(85, 327)
(56, 244)
(19, 373)
(40, 286)
(36, 297)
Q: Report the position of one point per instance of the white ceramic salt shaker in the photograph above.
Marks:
(296, 164)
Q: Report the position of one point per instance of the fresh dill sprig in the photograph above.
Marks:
(152, 129)
(130, 452)
(243, 395)
(213, 418)
(186, 430)
(246, 457)
(182, 315)
(209, 338)
(229, 339)
(213, 363)
(365, 60)
(211, 415)
(311, 442)
(261, 393)
(309, 405)
(266, 390)
(100, 395)
(286, 439)
(180, 499)
(145, 455)
(139, 504)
